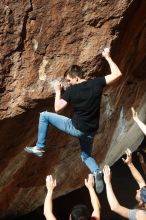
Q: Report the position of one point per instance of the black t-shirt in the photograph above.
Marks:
(85, 98)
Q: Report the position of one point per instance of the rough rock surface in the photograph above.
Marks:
(39, 40)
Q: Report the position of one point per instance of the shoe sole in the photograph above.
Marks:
(31, 152)
(99, 185)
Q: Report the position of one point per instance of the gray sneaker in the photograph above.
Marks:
(34, 150)
(99, 185)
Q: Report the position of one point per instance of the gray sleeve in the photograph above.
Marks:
(132, 214)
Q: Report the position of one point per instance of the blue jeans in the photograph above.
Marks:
(65, 124)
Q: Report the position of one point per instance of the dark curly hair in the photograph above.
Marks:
(74, 71)
(80, 212)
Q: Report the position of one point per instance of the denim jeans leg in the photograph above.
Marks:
(86, 143)
(59, 121)
(65, 124)
(42, 130)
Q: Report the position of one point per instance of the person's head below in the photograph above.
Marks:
(141, 197)
(80, 212)
(74, 74)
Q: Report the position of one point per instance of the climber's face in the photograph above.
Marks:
(72, 81)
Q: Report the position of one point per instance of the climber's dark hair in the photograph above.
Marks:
(74, 71)
(80, 212)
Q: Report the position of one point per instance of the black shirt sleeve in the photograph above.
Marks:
(66, 95)
(102, 81)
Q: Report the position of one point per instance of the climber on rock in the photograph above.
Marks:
(85, 97)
